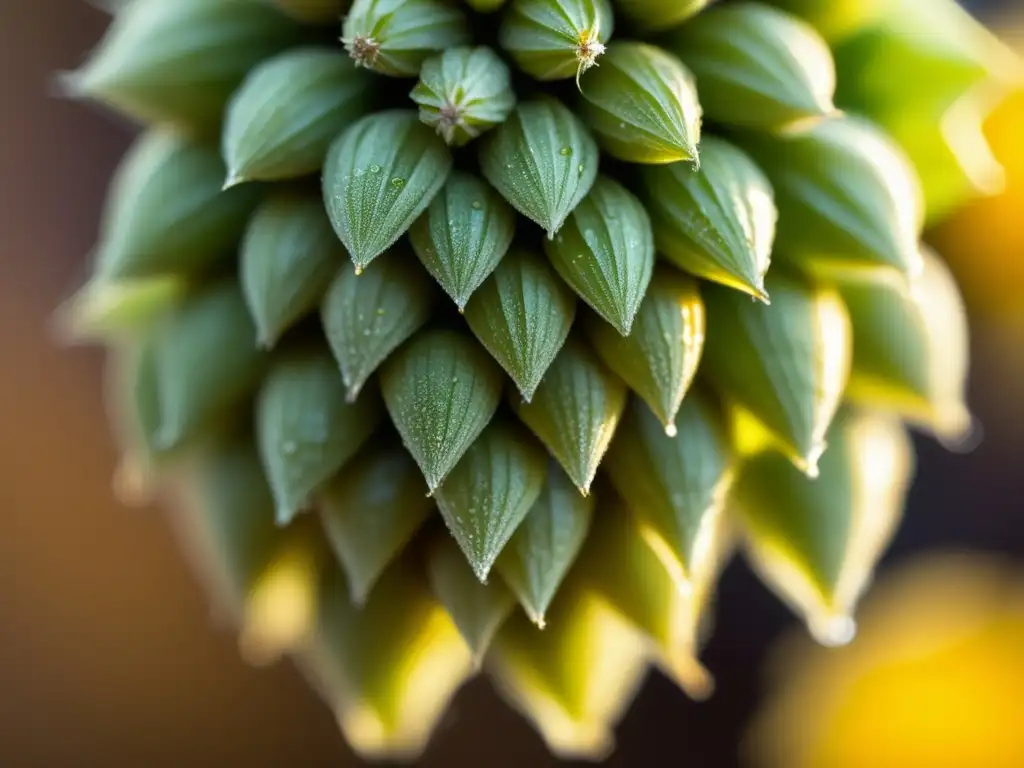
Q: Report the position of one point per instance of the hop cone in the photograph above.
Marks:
(476, 338)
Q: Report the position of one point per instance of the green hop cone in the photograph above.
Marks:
(445, 369)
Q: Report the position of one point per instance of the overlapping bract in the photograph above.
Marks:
(519, 372)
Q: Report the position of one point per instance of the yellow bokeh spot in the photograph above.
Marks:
(935, 679)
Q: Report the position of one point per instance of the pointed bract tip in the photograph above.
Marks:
(358, 591)
(352, 392)
(624, 326)
(959, 431)
(132, 483)
(433, 483)
(808, 464)
(833, 631)
(69, 85)
(265, 340)
(537, 618)
(476, 658)
(691, 675)
(167, 437)
(482, 570)
(69, 323)
(256, 651)
(233, 179)
(284, 514)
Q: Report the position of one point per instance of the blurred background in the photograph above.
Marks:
(108, 655)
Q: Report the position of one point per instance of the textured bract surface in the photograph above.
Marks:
(480, 337)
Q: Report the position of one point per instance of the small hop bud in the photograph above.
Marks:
(464, 92)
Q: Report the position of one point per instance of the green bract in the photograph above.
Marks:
(379, 175)
(848, 198)
(757, 66)
(153, 66)
(522, 316)
(716, 221)
(166, 212)
(441, 391)
(605, 252)
(542, 160)
(490, 491)
(466, 338)
(305, 428)
(280, 123)
(288, 255)
(642, 104)
(367, 316)
(463, 235)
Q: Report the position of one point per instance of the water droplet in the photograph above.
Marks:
(360, 172)
(580, 168)
(477, 205)
(398, 182)
(565, 151)
(374, 168)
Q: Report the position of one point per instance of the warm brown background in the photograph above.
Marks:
(107, 656)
